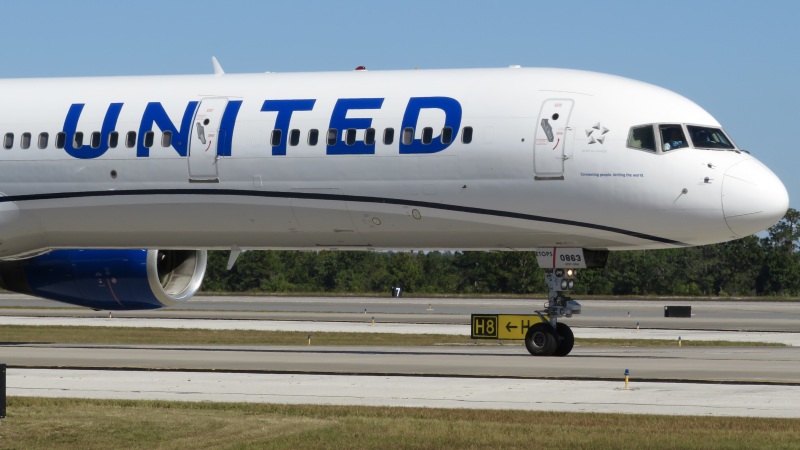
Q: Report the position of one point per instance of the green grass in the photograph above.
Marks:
(36, 423)
(170, 336)
(174, 336)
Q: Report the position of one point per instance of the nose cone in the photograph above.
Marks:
(753, 198)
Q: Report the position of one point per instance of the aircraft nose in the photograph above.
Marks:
(753, 198)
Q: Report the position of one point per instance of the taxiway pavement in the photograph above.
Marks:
(723, 314)
(442, 392)
(749, 381)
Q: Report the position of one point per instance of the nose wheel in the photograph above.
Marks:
(566, 340)
(543, 340)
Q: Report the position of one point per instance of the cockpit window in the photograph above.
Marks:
(642, 138)
(705, 137)
(672, 137)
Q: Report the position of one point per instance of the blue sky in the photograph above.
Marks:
(738, 59)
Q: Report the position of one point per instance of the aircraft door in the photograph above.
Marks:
(550, 141)
(204, 140)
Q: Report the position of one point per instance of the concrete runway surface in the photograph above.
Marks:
(742, 381)
(439, 392)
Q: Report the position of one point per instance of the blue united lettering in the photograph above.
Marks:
(347, 115)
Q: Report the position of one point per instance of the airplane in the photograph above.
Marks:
(112, 189)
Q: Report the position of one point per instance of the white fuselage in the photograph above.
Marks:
(223, 184)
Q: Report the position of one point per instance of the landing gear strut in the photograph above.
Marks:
(551, 337)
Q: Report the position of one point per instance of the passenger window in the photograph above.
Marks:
(61, 139)
(166, 139)
(350, 136)
(113, 139)
(95, 140)
(25, 141)
(8, 141)
(130, 139)
(313, 137)
(642, 138)
(333, 135)
(77, 140)
(427, 135)
(369, 136)
(466, 135)
(43, 138)
(294, 137)
(408, 136)
(275, 138)
(447, 135)
(149, 138)
(388, 136)
(672, 137)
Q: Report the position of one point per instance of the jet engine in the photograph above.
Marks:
(109, 279)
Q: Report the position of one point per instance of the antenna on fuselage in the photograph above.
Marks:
(217, 67)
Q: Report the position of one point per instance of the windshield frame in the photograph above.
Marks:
(689, 132)
(693, 130)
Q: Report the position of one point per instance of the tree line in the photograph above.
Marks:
(752, 266)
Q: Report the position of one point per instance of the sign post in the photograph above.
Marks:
(2, 391)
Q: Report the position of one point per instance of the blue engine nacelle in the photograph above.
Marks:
(109, 279)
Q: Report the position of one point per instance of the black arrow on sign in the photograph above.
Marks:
(509, 327)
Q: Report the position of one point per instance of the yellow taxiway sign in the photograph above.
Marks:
(502, 326)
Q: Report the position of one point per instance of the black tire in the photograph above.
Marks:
(540, 340)
(565, 338)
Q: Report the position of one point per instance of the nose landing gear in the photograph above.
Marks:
(551, 337)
